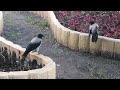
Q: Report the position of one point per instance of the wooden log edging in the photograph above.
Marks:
(105, 46)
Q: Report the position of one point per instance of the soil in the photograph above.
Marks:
(20, 29)
(11, 63)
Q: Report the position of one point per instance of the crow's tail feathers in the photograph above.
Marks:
(25, 53)
(24, 57)
(94, 38)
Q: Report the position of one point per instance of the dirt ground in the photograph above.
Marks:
(21, 26)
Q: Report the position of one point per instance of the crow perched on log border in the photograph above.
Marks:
(33, 45)
(93, 29)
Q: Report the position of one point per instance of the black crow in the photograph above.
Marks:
(33, 45)
(93, 30)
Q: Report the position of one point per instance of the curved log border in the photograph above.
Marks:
(105, 46)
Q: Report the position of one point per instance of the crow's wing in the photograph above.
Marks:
(31, 47)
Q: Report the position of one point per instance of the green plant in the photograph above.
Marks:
(12, 35)
(100, 73)
(33, 21)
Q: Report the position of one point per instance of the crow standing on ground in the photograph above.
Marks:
(93, 29)
(33, 45)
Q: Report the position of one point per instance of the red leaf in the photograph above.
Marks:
(82, 30)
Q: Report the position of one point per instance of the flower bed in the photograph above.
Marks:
(109, 21)
(46, 68)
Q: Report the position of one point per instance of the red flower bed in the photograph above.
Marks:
(109, 21)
